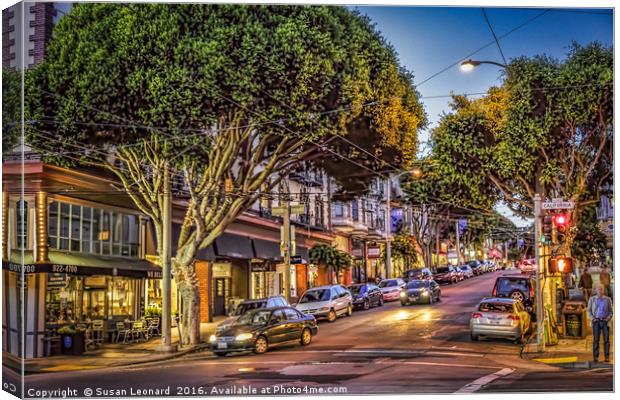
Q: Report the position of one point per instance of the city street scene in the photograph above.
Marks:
(292, 200)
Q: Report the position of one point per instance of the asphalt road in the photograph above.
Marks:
(385, 350)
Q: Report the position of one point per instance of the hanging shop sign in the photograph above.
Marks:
(374, 252)
(222, 270)
(77, 270)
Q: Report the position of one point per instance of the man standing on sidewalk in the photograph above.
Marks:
(605, 280)
(600, 311)
(585, 283)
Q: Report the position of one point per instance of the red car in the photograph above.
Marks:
(527, 266)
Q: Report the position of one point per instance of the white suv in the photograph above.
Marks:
(328, 301)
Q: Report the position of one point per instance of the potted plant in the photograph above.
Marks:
(72, 340)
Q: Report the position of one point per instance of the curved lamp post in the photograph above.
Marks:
(470, 64)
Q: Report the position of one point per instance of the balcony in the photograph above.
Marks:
(359, 228)
(343, 223)
(307, 178)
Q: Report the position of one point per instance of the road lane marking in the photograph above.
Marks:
(485, 380)
(385, 351)
(381, 362)
(449, 364)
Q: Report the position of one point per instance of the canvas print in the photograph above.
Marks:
(205, 199)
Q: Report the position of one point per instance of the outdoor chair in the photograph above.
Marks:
(88, 334)
(138, 330)
(98, 332)
(121, 329)
(153, 326)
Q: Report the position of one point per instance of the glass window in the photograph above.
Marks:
(52, 225)
(105, 235)
(291, 315)
(277, 316)
(122, 296)
(65, 222)
(117, 223)
(354, 210)
(96, 226)
(338, 210)
(22, 224)
(76, 215)
(86, 221)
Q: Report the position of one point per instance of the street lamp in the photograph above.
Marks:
(469, 65)
(415, 173)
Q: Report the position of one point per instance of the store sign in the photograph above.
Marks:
(374, 252)
(222, 270)
(25, 268)
(357, 253)
(154, 274)
(67, 269)
(56, 280)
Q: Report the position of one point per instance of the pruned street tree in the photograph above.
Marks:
(224, 100)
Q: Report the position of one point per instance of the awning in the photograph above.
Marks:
(266, 250)
(229, 245)
(82, 264)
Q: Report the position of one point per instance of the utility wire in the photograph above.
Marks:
(486, 18)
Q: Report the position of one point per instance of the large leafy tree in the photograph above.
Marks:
(11, 109)
(548, 129)
(589, 242)
(226, 100)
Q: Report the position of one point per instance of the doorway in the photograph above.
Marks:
(221, 288)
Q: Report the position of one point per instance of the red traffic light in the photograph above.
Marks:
(560, 221)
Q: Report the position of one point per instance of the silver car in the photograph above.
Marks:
(500, 318)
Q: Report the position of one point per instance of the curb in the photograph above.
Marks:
(16, 364)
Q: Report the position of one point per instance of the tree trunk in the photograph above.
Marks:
(188, 287)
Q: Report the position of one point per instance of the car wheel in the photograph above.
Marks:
(430, 299)
(404, 303)
(349, 310)
(331, 317)
(219, 353)
(517, 295)
(306, 337)
(366, 304)
(260, 345)
(475, 338)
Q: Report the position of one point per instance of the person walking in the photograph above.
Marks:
(605, 280)
(585, 283)
(600, 311)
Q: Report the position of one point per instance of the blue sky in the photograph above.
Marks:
(428, 39)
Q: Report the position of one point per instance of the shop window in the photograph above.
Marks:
(22, 224)
(122, 292)
(76, 215)
(96, 227)
(52, 225)
(65, 222)
(104, 234)
(86, 229)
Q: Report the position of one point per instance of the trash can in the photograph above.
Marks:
(574, 320)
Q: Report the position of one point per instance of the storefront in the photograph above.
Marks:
(70, 289)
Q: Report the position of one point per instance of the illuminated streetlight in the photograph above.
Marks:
(470, 64)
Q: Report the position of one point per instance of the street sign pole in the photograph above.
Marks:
(540, 270)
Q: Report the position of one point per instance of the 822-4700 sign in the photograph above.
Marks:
(71, 269)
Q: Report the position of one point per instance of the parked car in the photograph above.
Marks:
(328, 301)
(501, 318)
(445, 274)
(517, 287)
(259, 329)
(366, 295)
(527, 266)
(391, 288)
(247, 305)
(467, 271)
(420, 291)
(420, 273)
(460, 274)
(477, 267)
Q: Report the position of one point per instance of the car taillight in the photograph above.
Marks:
(514, 317)
(476, 315)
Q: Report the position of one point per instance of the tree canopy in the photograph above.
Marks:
(547, 129)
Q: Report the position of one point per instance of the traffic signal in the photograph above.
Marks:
(561, 264)
(547, 229)
(561, 224)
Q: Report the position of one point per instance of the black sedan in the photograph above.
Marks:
(366, 295)
(420, 291)
(258, 330)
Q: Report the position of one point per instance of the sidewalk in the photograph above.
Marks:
(110, 355)
(571, 353)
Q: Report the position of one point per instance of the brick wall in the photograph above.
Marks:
(202, 272)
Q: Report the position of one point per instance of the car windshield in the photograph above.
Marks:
(507, 285)
(496, 307)
(315, 295)
(357, 289)
(389, 283)
(245, 307)
(256, 318)
(441, 270)
(416, 285)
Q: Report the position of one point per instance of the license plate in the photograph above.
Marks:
(222, 345)
(495, 322)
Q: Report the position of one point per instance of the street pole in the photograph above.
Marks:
(458, 244)
(165, 256)
(540, 269)
(388, 228)
(286, 230)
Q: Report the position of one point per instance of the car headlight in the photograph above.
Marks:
(212, 338)
(243, 336)
(424, 292)
(403, 294)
